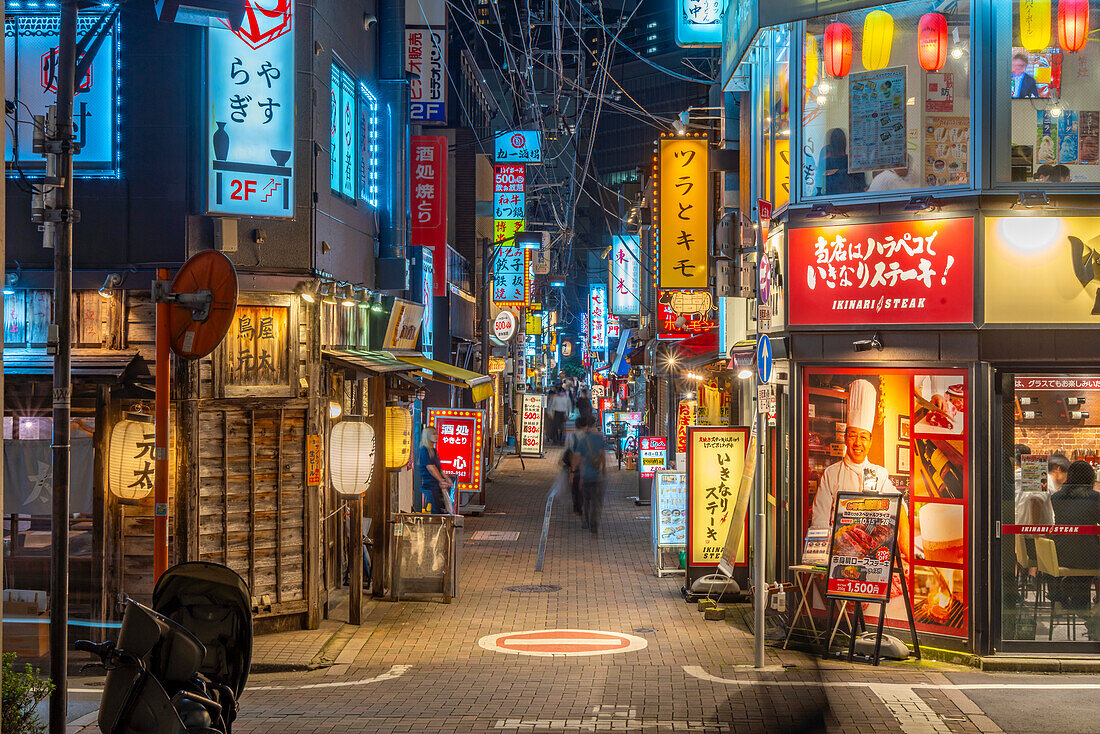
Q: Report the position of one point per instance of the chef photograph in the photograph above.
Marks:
(853, 473)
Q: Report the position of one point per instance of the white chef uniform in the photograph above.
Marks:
(845, 475)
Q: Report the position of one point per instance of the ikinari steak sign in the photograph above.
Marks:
(916, 272)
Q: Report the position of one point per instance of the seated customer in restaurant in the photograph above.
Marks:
(1076, 504)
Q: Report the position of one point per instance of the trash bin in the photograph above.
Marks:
(426, 555)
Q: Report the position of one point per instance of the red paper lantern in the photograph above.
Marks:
(838, 49)
(1073, 24)
(932, 41)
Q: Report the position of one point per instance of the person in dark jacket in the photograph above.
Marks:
(1023, 84)
(1077, 503)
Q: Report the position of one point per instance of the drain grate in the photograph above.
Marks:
(644, 631)
(509, 535)
(533, 588)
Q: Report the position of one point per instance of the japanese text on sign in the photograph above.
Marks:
(652, 455)
(428, 190)
(530, 424)
(716, 458)
(864, 533)
(250, 93)
(597, 316)
(426, 63)
(670, 509)
(903, 272)
(519, 147)
(684, 213)
(699, 22)
(257, 347)
(459, 444)
(626, 270)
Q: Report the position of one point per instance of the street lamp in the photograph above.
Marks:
(201, 12)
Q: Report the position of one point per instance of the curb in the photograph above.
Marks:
(324, 658)
(1035, 664)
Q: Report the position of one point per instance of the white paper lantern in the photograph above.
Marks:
(351, 448)
(130, 471)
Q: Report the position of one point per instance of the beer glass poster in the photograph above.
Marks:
(716, 458)
(898, 432)
(459, 444)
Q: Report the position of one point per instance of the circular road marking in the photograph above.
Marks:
(561, 643)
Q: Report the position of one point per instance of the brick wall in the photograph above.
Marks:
(1070, 440)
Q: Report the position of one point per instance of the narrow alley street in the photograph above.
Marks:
(418, 666)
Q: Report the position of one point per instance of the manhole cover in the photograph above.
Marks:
(644, 631)
(533, 588)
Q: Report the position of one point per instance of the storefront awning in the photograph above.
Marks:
(373, 363)
(481, 385)
(88, 365)
(699, 344)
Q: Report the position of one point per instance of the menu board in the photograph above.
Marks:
(652, 455)
(460, 444)
(946, 150)
(716, 458)
(670, 509)
(815, 552)
(530, 424)
(876, 104)
(864, 531)
(1033, 473)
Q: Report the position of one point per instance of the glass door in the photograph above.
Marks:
(1049, 511)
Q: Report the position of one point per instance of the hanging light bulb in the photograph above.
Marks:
(838, 49)
(878, 39)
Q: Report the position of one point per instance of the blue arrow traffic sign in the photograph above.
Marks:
(764, 359)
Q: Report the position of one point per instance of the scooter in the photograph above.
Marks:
(179, 667)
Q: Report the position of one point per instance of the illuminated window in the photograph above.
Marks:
(651, 37)
(344, 142)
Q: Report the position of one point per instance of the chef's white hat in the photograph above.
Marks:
(862, 402)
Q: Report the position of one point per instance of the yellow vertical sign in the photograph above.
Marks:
(683, 213)
(716, 460)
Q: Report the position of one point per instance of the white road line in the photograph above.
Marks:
(394, 672)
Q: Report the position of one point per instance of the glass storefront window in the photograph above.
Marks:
(1050, 510)
(1046, 94)
(774, 116)
(886, 100)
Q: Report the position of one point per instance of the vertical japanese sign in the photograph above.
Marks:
(343, 143)
(626, 271)
(530, 424)
(30, 63)
(670, 509)
(426, 62)
(586, 357)
(460, 444)
(250, 114)
(716, 458)
(512, 269)
(652, 455)
(686, 415)
(257, 347)
(315, 459)
(597, 316)
(428, 192)
(684, 213)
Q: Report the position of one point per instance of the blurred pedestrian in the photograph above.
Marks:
(589, 460)
(559, 405)
(573, 476)
(584, 405)
(435, 486)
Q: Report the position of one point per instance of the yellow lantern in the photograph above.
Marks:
(1034, 24)
(878, 39)
(399, 423)
(130, 472)
(351, 449)
(810, 59)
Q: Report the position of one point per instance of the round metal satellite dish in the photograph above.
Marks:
(203, 300)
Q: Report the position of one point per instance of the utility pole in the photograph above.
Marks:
(59, 151)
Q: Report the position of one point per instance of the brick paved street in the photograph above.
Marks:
(417, 666)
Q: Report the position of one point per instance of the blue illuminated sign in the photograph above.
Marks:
(519, 146)
(368, 146)
(250, 114)
(30, 62)
(510, 206)
(344, 144)
(699, 22)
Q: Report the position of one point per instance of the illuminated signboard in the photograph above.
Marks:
(460, 436)
(715, 459)
(512, 268)
(518, 147)
(684, 213)
(250, 114)
(427, 276)
(344, 144)
(530, 424)
(30, 60)
(426, 63)
(626, 271)
(597, 316)
(699, 22)
(652, 455)
(428, 192)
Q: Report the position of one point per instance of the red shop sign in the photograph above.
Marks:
(459, 444)
(428, 190)
(918, 272)
(509, 179)
(694, 323)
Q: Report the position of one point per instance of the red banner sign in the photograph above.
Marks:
(460, 444)
(694, 323)
(428, 200)
(1050, 529)
(509, 179)
(918, 272)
